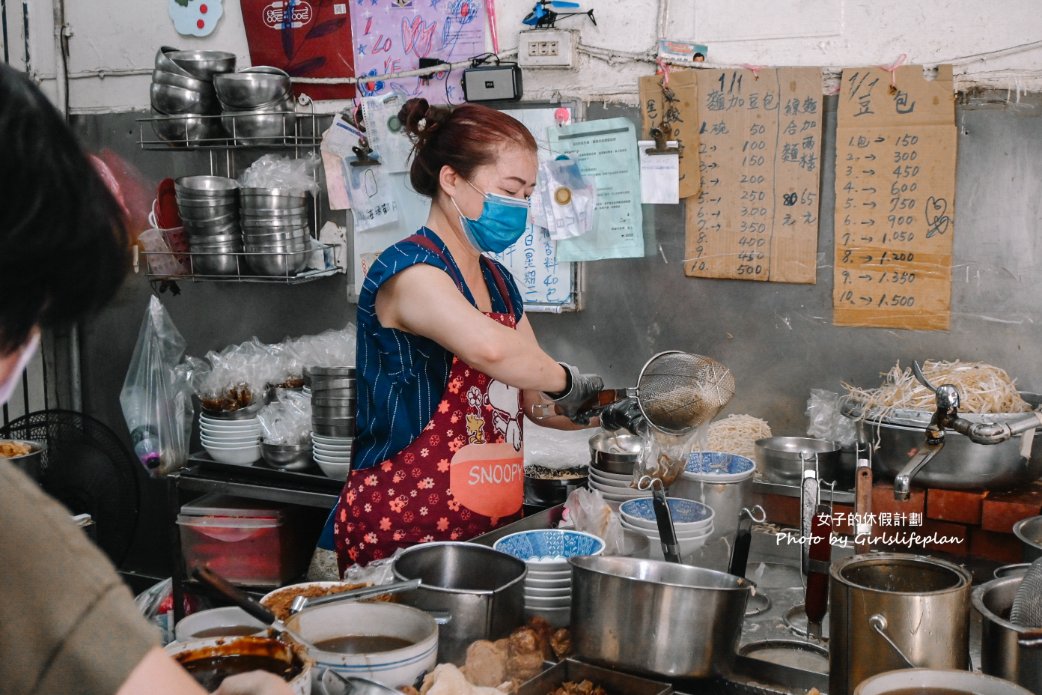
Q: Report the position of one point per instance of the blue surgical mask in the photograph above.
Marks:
(502, 222)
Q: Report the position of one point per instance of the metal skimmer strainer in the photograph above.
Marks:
(1027, 602)
(678, 391)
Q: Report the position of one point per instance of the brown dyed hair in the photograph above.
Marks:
(463, 137)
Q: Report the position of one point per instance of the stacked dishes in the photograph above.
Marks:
(275, 230)
(612, 458)
(256, 104)
(182, 93)
(209, 209)
(692, 521)
(548, 583)
(333, 418)
(231, 441)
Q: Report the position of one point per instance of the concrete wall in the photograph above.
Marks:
(112, 44)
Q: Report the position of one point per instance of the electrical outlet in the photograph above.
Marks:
(547, 48)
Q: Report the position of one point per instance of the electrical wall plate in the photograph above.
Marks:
(547, 48)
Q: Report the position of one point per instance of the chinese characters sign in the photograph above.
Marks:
(756, 217)
(895, 199)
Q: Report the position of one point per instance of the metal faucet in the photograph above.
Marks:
(946, 416)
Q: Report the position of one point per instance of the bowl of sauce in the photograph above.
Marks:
(389, 643)
(229, 621)
(933, 681)
(210, 661)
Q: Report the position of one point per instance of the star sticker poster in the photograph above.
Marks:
(392, 35)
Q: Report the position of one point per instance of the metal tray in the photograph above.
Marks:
(615, 682)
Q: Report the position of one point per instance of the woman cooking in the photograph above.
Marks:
(446, 359)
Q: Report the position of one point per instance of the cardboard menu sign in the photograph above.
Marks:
(895, 199)
(760, 160)
(306, 38)
(678, 110)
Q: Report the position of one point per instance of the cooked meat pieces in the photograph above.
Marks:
(584, 687)
(486, 663)
(561, 643)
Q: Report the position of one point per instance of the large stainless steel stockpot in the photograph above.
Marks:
(1007, 650)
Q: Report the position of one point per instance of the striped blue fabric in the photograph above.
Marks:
(401, 376)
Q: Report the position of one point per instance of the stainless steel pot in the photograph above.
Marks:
(1008, 651)
(782, 459)
(890, 611)
(656, 617)
(483, 589)
(726, 500)
(962, 464)
(615, 452)
(1029, 531)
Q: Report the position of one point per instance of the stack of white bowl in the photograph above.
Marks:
(692, 522)
(615, 487)
(333, 455)
(548, 583)
(231, 441)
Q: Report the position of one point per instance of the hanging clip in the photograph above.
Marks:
(659, 136)
(363, 153)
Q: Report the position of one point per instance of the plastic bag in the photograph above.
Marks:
(826, 421)
(586, 510)
(664, 456)
(287, 420)
(156, 398)
(273, 171)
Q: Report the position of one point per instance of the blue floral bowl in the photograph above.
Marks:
(549, 545)
(687, 515)
(716, 466)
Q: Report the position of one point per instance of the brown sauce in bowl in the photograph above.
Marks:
(227, 631)
(212, 671)
(363, 644)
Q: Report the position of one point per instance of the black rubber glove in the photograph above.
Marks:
(579, 393)
(624, 414)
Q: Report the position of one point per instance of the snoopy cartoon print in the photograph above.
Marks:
(475, 423)
(505, 402)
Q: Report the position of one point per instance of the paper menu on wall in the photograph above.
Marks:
(677, 106)
(391, 36)
(607, 153)
(756, 217)
(895, 199)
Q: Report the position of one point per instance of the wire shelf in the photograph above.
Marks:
(191, 265)
(228, 131)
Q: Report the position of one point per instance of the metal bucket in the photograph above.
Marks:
(726, 500)
(1029, 531)
(1008, 651)
(483, 589)
(890, 611)
(656, 617)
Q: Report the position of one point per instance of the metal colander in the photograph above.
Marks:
(1027, 602)
(678, 391)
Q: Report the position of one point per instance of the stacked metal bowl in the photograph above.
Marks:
(256, 104)
(333, 418)
(183, 95)
(209, 207)
(275, 230)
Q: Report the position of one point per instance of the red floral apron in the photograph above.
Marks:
(462, 476)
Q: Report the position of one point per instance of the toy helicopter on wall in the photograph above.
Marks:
(544, 14)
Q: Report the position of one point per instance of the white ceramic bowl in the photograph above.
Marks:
(610, 478)
(244, 423)
(942, 680)
(332, 460)
(332, 455)
(540, 592)
(640, 514)
(393, 668)
(327, 439)
(301, 683)
(235, 455)
(548, 602)
(337, 471)
(333, 449)
(218, 622)
(244, 432)
(539, 582)
(681, 534)
(549, 573)
(233, 442)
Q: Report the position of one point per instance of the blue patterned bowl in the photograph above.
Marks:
(718, 467)
(549, 545)
(688, 515)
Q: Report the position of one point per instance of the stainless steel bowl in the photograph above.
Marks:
(482, 588)
(203, 64)
(250, 208)
(32, 463)
(164, 63)
(186, 129)
(275, 264)
(290, 457)
(615, 452)
(211, 216)
(171, 100)
(204, 186)
(1029, 531)
(249, 90)
(176, 79)
(204, 263)
(248, 126)
(656, 617)
(272, 198)
(782, 459)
